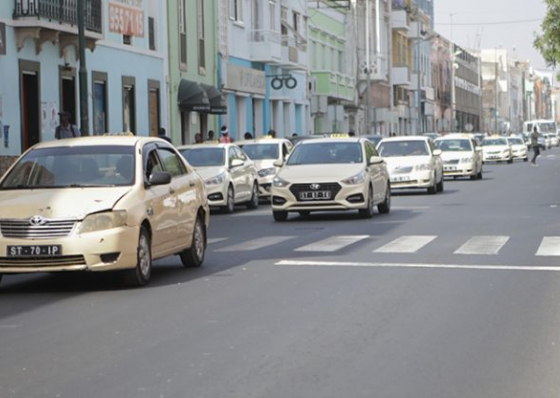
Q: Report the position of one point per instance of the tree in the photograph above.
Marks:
(548, 44)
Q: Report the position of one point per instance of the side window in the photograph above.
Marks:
(432, 146)
(240, 154)
(370, 151)
(152, 164)
(231, 155)
(285, 150)
(172, 163)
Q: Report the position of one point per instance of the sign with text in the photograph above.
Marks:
(126, 20)
(2, 38)
(246, 80)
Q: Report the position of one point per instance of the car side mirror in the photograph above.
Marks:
(278, 163)
(437, 152)
(236, 163)
(375, 160)
(159, 178)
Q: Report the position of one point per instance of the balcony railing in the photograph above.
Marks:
(61, 11)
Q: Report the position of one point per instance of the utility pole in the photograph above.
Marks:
(496, 92)
(368, 61)
(84, 108)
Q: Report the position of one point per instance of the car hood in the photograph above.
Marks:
(406, 161)
(446, 156)
(320, 173)
(73, 203)
(210, 172)
(264, 163)
(495, 148)
(518, 147)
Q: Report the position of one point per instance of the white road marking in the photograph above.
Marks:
(332, 244)
(420, 266)
(550, 246)
(256, 244)
(213, 241)
(483, 245)
(406, 244)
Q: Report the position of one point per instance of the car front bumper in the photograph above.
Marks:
(109, 250)
(500, 157)
(265, 186)
(459, 170)
(350, 197)
(217, 194)
(413, 180)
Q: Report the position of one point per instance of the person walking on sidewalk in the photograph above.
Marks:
(535, 146)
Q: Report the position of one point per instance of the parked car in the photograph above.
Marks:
(264, 152)
(518, 148)
(101, 204)
(553, 140)
(413, 163)
(229, 174)
(496, 149)
(331, 175)
(461, 156)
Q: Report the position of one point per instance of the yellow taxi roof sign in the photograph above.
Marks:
(339, 135)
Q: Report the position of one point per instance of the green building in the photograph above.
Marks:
(195, 100)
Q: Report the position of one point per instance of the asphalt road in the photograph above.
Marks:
(453, 295)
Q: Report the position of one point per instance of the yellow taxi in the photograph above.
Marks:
(329, 174)
(101, 204)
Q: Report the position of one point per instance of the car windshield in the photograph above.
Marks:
(73, 167)
(261, 151)
(516, 141)
(494, 141)
(205, 157)
(326, 153)
(403, 148)
(450, 145)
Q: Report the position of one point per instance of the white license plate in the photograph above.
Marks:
(450, 168)
(34, 251)
(400, 179)
(315, 195)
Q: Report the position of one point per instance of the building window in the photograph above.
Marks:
(236, 10)
(341, 61)
(152, 33)
(129, 104)
(201, 41)
(295, 21)
(127, 40)
(100, 103)
(182, 35)
(272, 8)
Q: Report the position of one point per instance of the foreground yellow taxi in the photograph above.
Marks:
(331, 174)
(101, 204)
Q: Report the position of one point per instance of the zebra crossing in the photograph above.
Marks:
(408, 244)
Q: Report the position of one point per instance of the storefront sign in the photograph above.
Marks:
(246, 80)
(2, 38)
(468, 86)
(126, 17)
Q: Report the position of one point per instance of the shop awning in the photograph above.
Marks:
(218, 104)
(192, 97)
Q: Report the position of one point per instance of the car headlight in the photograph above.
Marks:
(356, 180)
(103, 221)
(280, 183)
(219, 179)
(423, 167)
(467, 160)
(267, 172)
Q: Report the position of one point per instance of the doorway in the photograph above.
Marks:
(154, 107)
(68, 94)
(30, 104)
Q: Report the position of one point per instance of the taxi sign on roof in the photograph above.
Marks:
(339, 135)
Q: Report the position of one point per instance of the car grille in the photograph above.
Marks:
(24, 229)
(455, 161)
(35, 262)
(333, 188)
(402, 170)
(493, 152)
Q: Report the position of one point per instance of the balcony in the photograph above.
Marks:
(266, 46)
(400, 76)
(294, 53)
(334, 85)
(56, 21)
(400, 21)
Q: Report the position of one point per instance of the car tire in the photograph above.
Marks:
(1, 278)
(385, 207)
(254, 202)
(474, 177)
(433, 189)
(510, 161)
(230, 204)
(526, 159)
(140, 275)
(194, 256)
(369, 210)
(280, 216)
(439, 186)
(304, 213)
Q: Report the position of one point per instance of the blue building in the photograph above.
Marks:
(126, 61)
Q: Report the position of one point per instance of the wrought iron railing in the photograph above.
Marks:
(61, 11)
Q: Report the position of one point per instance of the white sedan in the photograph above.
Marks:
(413, 163)
(496, 149)
(229, 175)
(461, 155)
(518, 148)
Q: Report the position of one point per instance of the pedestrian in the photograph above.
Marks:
(163, 135)
(66, 129)
(272, 133)
(351, 133)
(211, 135)
(225, 139)
(535, 146)
(248, 136)
(294, 135)
(198, 138)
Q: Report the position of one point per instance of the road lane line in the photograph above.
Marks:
(418, 266)
(256, 244)
(406, 244)
(213, 241)
(550, 246)
(483, 245)
(332, 244)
